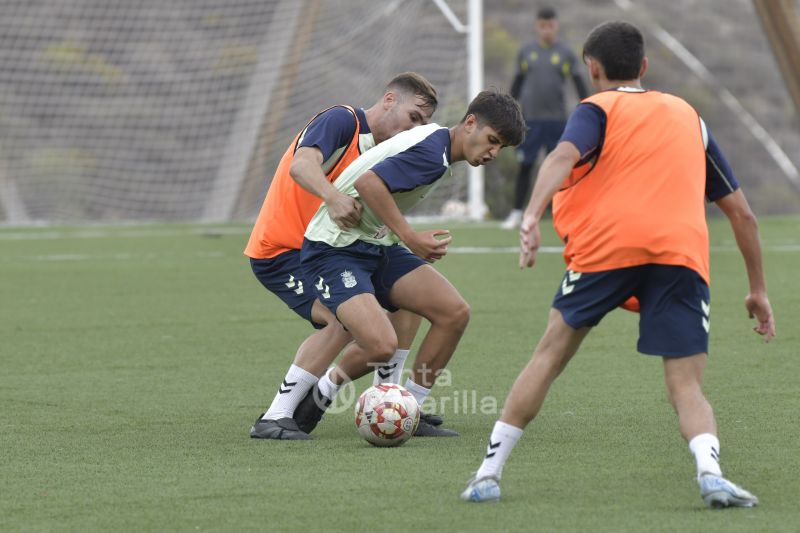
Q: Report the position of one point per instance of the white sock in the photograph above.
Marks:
(391, 371)
(503, 439)
(418, 391)
(294, 388)
(705, 448)
(328, 388)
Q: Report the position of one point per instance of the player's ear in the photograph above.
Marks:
(595, 69)
(470, 123)
(389, 98)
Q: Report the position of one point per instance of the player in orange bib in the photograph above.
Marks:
(628, 180)
(332, 140)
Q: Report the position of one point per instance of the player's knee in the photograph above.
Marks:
(385, 350)
(457, 317)
(681, 392)
(381, 349)
(335, 333)
(550, 362)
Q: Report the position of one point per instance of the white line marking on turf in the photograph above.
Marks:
(122, 256)
(118, 233)
(455, 250)
(499, 249)
(790, 248)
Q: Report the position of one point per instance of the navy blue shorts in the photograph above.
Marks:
(674, 305)
(338, 274)
(282, 275)
(541, 133)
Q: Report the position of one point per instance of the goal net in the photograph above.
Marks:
(117, 110)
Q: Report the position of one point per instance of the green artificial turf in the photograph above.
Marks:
(134, 360)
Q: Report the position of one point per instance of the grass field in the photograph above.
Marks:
(134, 360)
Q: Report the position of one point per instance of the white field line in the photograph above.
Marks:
(215, 231)
(121, 256)
(144, 231)
(103, 233)
(499, 249)
(780, 248)
(454, 250)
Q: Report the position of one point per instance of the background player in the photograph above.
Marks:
(543, 66)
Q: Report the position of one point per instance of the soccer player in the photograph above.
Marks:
(358, 272)
(321, 151)
(543, 67)
(627, 181)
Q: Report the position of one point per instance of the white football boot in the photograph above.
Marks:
(718, 492)
(485, 489)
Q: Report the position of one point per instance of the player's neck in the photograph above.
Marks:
(546, 44)
(607, 85)
(373, 115)
(456, 146)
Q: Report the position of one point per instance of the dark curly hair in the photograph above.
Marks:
(501, 112)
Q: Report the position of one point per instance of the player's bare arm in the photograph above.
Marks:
(306, 170)
(556, 168)
(745, 229)
(376, 195)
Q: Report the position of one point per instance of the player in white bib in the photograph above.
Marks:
(360, 272)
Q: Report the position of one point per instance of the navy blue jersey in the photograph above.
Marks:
(419, 165)
(332, 130)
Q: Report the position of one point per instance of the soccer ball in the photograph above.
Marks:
(386, 415)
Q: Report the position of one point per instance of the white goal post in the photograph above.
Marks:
(476, 204)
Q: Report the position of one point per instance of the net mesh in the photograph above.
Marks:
(149, 110)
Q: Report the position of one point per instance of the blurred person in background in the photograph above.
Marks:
(543, 66)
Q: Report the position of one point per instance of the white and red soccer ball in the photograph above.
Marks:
(386, 415)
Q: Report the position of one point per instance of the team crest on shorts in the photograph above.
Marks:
(348, 279)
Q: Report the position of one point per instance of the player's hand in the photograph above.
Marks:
(430, 245)
(529, 241)
(758, 307)
(344, 210)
